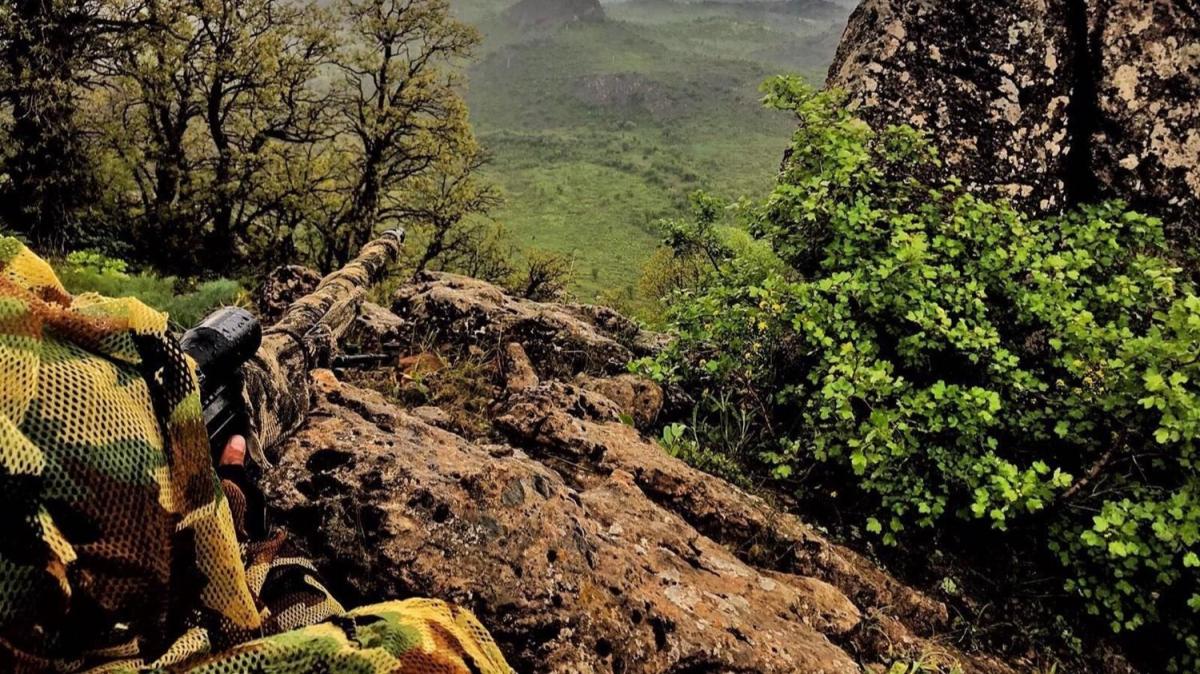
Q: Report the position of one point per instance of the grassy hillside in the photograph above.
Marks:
(600, 128)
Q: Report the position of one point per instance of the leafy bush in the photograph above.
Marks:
(89, 271)
(956, 359)
(697, 247)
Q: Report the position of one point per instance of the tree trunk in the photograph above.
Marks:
(222, 239)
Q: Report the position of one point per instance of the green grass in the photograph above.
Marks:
(185, 303)
(589, 174)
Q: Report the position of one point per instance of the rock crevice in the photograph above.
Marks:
(1048, 102)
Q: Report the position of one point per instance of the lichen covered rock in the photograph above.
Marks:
(1147, 145)
(566, 547)
(560, 339)
(1047, 102)
(282, 287)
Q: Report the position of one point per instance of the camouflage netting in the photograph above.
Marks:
(120, 548)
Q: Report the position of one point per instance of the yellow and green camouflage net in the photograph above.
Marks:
(119, 550)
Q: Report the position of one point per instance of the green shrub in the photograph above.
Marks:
(694, 248)
(955, 358)
(186, 304)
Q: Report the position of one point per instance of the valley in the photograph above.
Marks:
(601, 119)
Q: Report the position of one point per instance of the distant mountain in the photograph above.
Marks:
(540, 14)
(809, 9)
(817, 10)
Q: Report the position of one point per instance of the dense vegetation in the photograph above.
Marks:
(223, 138)
(167, 142)
(1028, 383)
(185, 301)
(232, 135)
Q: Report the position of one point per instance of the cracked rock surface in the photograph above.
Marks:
(1048, 102)
(577, 540)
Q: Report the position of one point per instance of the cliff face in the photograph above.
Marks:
(1147, 144)
(1049, 102)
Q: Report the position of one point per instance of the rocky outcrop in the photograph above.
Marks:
(630, 93)
(638, 400)
(1049, 102)
(1147, 140)
(561, 339)
(375, 328)
(580, 543)
(283, 286)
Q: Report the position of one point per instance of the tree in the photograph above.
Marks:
(546, 277)
(205, 134)
(482, 249)
(49, 50)
(226, 103)
(259, 102)
(438, 205)
(399, 113)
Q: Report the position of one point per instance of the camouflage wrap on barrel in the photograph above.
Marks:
(120, 549)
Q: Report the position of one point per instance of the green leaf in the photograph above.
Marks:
(1154, 381)
(858, 461)
(1062, 428)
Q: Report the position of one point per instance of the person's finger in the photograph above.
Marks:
(235, 452)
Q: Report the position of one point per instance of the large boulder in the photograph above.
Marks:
(990, 81)
(375, 328)
(1048, 102)
(1147, 136)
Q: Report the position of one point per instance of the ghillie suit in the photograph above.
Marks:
(119, 545)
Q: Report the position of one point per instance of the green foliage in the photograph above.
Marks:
(708, 243)
(929, 662)
(89, 271)
(97, 262)
(200, 137)
(682, 443)
(956, 359)
(545, 276)
(47, 183)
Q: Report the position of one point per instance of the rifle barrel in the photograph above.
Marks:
(341, 286)
(277, 378)
(362, 359)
